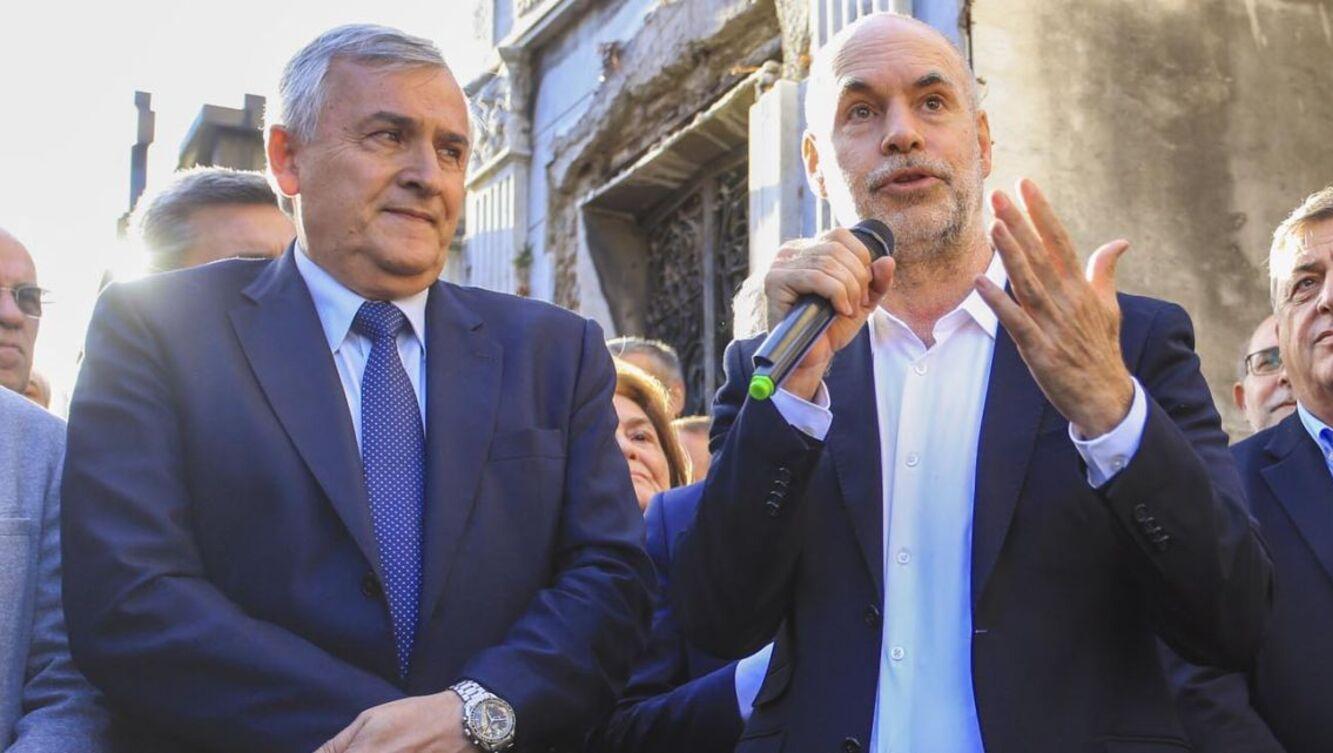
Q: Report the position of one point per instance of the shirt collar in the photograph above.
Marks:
(336, 305)
(1319, 431)
(973, 306)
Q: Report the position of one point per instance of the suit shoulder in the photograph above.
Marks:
(191, 287)
(1142, 310)
(529, 317)
(1248, 451)
(30, 424)
(680, 504)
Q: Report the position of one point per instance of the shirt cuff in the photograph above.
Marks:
(1108, 454)
(750, 673)
(811, 419)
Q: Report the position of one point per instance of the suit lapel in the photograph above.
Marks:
(463, 367)
(854, 445)
(1300, 480)
(1009, 422)
(282, 339)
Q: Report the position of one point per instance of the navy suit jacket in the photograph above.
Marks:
(1286, 701)
(221, 571)
(680, 699)
(1070, 585)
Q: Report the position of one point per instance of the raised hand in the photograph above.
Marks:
(1065, 323)
(835, 266)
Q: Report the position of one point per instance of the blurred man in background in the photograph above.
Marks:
(692, 431)
(21, 303)
(658, 359)
(1262, 391)
(209, 213)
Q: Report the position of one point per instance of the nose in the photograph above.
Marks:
(626, 446)
(423, 173)
(901, 134)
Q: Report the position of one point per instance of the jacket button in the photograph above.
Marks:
(851, 745)
(871, 616)
(784, 473)
(370, 586)
(1141, 513)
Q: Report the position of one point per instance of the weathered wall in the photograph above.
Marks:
(1191, 127)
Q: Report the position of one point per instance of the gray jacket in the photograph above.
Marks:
(45, 704)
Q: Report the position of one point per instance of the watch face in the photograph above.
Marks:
(492, 721)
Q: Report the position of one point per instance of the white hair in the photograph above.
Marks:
(1290, 237)
(822, 82)
(301, 88)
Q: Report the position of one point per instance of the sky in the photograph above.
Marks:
(68, 73)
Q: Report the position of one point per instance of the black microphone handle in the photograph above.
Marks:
(788, 343)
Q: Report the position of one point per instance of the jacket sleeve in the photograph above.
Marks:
(731, 580)
(60, 710)
(665, 710)
(145, 623)
(566, 660)
(1215, 708)
(1194, 549)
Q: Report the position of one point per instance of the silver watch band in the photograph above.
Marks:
(470, 691)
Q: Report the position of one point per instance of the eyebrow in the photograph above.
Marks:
(398, 120)
(933, 78)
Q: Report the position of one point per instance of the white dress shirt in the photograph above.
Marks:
(337, 306)
(930, 403)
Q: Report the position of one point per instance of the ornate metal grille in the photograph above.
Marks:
(698, 256)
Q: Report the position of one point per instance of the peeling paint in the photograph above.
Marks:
(1252, 9)
(1328, 29)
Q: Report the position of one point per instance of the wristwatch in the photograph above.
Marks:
(488, 720)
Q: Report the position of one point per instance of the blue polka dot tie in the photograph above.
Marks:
(393, 458)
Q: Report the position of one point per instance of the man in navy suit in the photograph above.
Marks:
(679, 697)
(329, 502)
(1284, 702)
(969, 527)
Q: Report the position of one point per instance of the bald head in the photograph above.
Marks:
(855, 39)
(18, 329)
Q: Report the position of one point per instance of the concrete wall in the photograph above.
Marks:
(1191, 127)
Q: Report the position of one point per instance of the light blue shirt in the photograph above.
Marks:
(1320, 432)
(336, 307)
(930, 402)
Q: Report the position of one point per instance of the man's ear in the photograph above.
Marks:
(984, 142)
(1238, 394)
(813, 175)
(281, 149)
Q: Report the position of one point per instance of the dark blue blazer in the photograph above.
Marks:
(1286, 701)
(221, 572)
(680, 699)
(1070, 585)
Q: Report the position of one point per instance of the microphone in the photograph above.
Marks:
(788, 343)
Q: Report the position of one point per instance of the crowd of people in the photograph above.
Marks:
(312, 499)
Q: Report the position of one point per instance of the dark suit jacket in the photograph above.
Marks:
(680, 699)
(1286, 701)
(221, 569)
(1070, 585)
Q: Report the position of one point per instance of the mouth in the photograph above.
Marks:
(907, 180)
(412, 214)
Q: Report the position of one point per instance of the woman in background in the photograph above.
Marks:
(656, 460)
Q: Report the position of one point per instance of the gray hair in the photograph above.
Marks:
(301, 88)
(162, 223)
(821, 80)
(1289, 239)
(663, 353)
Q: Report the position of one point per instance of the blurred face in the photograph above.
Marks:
(1305, 322)
(379, 189)
(18, 331)
(898, 139)
(1265, 398)
(643, 451)
(229, 230)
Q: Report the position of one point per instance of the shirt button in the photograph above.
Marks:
(1118, 462)
(912, 459)
(904, 557)
(897, 653)
(919, 367)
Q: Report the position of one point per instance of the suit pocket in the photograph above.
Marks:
(762, 742)
(17, 527)
(527, 443)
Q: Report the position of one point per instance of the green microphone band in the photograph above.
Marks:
(761, 387)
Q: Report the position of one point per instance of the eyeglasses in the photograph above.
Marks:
(1264, 362)
(29, 299)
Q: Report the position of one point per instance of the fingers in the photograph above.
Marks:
(1054, 237)
(343, 740)
(1027, 241)
(828, 269)
(1016, 321)
(1029, 289)
(1102, 265)
(881, 277)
